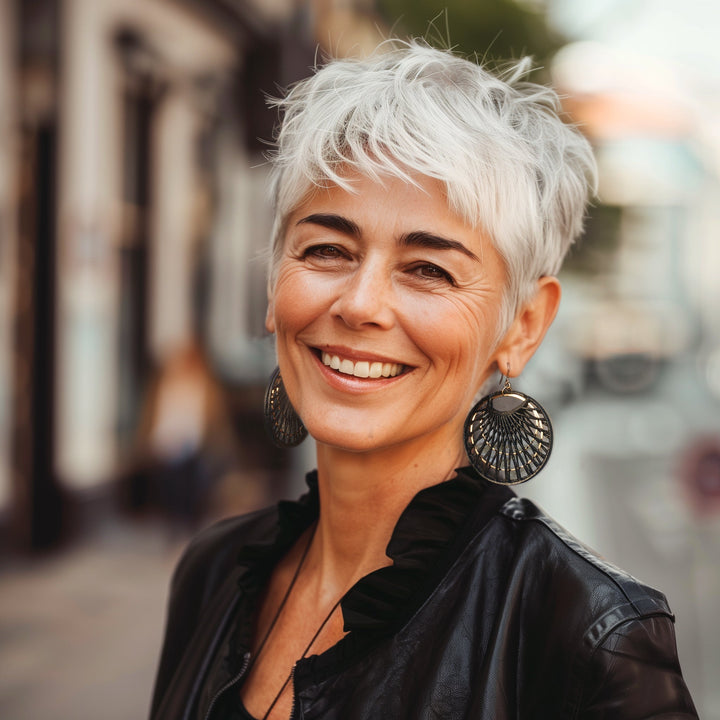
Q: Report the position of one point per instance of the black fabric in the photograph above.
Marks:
(490, 610)
(231, 707)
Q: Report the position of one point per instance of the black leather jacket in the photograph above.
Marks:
(490, 610)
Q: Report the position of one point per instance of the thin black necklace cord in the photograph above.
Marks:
(305, 652)
(283, 602)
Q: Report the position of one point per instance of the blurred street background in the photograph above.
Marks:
(134, 222)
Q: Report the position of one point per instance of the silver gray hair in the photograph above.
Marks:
(511, 167)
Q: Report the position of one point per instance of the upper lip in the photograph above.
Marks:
(357, 355)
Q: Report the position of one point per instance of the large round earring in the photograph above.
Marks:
(508, 436)
(281, 421)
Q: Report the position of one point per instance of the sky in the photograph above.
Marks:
(683, 33)
(667, 51)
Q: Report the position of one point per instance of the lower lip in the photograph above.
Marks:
(350, 383)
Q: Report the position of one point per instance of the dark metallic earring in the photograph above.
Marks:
(508, 436)
(281, 421)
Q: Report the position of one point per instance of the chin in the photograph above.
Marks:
(342, 439)
(346, 442)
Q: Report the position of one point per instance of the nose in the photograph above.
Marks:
(366, 298)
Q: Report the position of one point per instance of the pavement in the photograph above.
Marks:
(80, 630)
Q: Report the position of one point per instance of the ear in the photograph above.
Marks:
(529, 327)
(270, 316)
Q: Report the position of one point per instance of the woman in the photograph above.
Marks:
(423, 209)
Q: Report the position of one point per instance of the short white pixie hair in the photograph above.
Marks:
(511, 167)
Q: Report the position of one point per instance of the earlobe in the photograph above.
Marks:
(529, 327)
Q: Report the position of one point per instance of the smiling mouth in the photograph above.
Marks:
(361, 368)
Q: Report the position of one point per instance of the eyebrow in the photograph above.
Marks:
(420, 238)
(416, 238)
(333, 222)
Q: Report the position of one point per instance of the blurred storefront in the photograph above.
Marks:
(133, 221)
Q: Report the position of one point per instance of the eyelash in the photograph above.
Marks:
(438, 272)
(336, 253)
(320, 251)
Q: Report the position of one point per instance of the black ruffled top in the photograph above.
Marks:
(430, 534)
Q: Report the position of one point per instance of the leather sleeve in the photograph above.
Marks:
(191, 583)
(205, 564)
(634, 673)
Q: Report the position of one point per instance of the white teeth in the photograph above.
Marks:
(362, 368)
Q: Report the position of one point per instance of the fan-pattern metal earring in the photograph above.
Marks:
(508, 436)
(281, 421)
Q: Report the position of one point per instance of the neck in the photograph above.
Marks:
(362, 496)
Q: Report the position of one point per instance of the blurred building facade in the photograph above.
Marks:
(133, 216)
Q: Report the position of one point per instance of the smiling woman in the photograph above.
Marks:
(423, 206)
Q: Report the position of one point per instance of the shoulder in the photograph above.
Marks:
(213, 553)
(562, 558)
(207, 562)
(615, 631)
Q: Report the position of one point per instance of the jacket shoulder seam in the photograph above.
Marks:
(641, 600)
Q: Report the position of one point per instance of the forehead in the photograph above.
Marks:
(384, 202)
(298, 188)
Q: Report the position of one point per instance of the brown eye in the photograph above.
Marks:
(433, 272)
(327, 252)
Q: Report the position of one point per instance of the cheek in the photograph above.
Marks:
(461, 329)
(297, 298)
